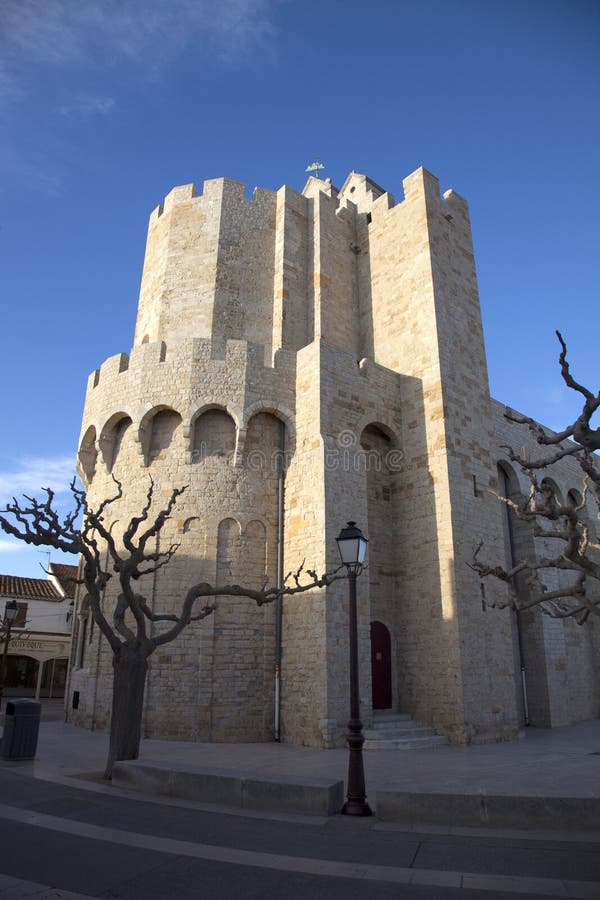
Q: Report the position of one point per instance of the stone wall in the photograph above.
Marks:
(343, 329)
(560, 658)
(186, 418)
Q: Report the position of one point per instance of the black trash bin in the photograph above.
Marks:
(21, 728)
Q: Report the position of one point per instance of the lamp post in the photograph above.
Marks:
(352, 545)
(10, 614)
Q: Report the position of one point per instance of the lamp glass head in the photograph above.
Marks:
(352, 545)
(11, 609)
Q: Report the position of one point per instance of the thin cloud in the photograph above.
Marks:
(35, 473)
(144, 32)
(557, 395)
(79, 38)
(83, 107)
(10, 90)
(30, 171)
(7, 546)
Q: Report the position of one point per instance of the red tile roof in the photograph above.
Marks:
(66, 576)
(28, 588)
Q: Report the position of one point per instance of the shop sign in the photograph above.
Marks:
(52, 647)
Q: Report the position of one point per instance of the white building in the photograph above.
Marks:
(40, 640)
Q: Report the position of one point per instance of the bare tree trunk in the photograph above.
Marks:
(130, 666)
(38, 523)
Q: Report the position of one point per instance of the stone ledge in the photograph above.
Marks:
(488, 810)
(312, 797)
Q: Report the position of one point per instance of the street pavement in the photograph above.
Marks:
(64, 833)
(56, 838)
(558, 762)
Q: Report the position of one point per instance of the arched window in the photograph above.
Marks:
(214, 436)
(255, 552)
(376, 445)
(228, 550)
(508, 485)
(262, 447)
(82, 633)
(518, 544)
(371, 463)
(575, 501)
(191, 525)
(162, 431)
(549, 486)
(115, 436)
(88, 454)
(121, 430)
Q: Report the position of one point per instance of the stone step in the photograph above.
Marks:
(406, 743)
(371, 735)
(409, 729)
(395, 725)
(382, 714)
(392, 730)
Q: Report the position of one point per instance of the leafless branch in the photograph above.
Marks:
(562, 527)
(87, 531)
(261, 596)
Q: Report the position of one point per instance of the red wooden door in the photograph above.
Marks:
(381, 666)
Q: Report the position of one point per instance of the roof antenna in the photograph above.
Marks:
(48, 554)
(315, 167)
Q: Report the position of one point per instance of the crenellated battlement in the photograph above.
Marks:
(212, 190)
(146, 357)
(358, 190)
(281, 269)
(359, 194)
(176, 384)
(423, 185)
(208, 265)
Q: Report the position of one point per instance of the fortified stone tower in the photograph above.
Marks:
(339, 332)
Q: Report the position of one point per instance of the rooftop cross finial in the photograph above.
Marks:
(314, 167)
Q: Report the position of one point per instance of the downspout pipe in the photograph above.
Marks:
(280, 576)
(519, 624)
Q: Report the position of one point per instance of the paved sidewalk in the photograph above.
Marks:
(367, 857)
(560, 762)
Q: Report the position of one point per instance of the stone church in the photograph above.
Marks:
(301, 360)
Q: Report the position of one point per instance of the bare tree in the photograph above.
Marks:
(565, 524)
(85, 532)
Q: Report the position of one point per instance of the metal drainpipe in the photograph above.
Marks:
(148, 690)
(98, 654)
(356, 250)
(511, 544)
(279, 601)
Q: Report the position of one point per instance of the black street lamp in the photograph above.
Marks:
(352, 545)
(10, 614)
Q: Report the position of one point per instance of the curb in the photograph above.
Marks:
(488, 810)
(311, 797)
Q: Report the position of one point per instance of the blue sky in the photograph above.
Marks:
(104, 106)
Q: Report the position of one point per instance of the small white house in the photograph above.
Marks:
(39, 647)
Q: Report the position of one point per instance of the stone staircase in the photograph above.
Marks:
(397, 731)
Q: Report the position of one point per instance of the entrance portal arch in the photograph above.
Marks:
(381, 665)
